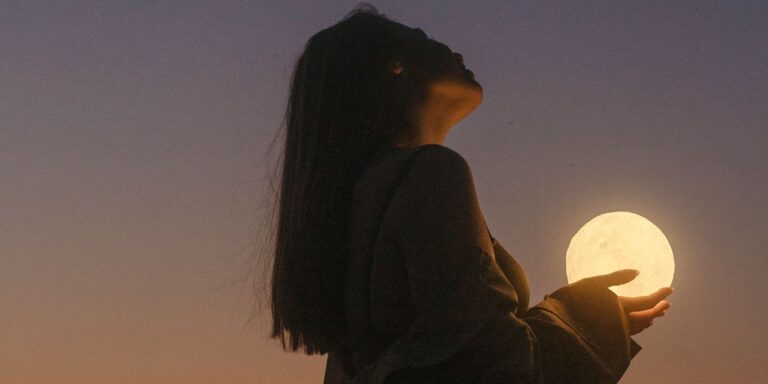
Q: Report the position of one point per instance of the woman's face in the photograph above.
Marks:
(429, 60)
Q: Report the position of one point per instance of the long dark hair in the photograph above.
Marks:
(345, 107)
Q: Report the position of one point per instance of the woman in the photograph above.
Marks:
(383, 259)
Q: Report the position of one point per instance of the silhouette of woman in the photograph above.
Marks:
(382, 257)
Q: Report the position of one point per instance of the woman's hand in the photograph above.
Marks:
(640, 310)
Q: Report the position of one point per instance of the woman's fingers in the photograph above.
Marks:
(642, 310)
(615, 278)
(640, 303)
(648, 315)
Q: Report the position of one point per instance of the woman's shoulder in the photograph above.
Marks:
(437, 159)
(428, 160)
(428, 166)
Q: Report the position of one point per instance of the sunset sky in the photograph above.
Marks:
(134, 159)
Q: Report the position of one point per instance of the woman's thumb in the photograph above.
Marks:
(615, 278)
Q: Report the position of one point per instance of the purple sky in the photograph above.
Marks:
(133, 138)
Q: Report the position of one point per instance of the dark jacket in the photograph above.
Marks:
(432, 297)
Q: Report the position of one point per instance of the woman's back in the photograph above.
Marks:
(372, 323)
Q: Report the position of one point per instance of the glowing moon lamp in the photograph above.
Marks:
(621, 240)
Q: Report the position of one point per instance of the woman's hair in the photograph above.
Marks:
(344, 107)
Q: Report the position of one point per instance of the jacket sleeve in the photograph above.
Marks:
(580, 327)
(466, 326)
(583, 334)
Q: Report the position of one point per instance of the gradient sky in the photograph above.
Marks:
(133, 155)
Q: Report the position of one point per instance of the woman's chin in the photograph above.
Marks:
(475, 92)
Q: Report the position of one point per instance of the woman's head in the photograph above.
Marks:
(378, 76)
(342, 87)
(359, 88)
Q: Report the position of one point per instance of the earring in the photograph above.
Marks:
(396, 67)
